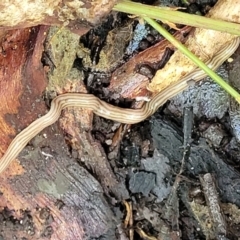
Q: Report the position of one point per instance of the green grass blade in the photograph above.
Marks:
(196, 60)
(170, 15)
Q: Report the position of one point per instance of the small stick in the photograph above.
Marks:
(211, 197)
(187, 135)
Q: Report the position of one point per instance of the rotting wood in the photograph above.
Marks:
(21, 78)
(128, 82)
(45, 172)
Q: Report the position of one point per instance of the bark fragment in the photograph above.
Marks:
(21, 78)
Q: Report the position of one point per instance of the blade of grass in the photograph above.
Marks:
(168, 14)
(196, 60)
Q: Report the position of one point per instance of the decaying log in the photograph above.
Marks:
(62, 199)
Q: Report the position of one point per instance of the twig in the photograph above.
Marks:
(211, 197)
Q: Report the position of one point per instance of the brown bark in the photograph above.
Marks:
(50, 195)
(21, 78)
(129, 81)
(62, 199)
